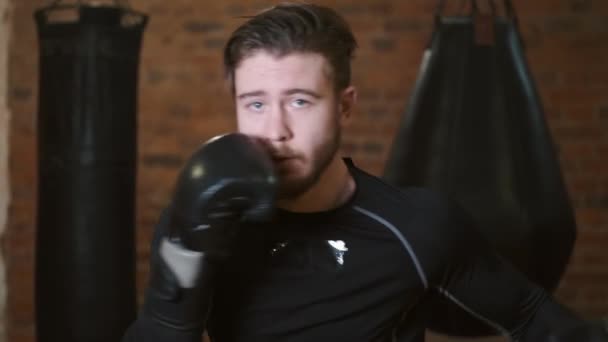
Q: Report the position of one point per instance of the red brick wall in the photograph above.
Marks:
(183, 102)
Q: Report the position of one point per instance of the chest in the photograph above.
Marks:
(311, 284)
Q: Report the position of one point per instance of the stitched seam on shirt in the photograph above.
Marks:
(401, 238)
(421, 273)
(489, 322)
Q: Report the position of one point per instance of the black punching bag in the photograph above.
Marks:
(474, 129)
(85, 259)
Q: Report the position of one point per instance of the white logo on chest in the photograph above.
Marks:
(339, 250)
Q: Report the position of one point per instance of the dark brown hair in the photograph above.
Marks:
(288, 28)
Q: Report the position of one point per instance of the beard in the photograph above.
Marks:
(294, 186)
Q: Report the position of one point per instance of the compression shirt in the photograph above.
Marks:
(368, 271)
(365, 272)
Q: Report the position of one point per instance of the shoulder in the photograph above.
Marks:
(400, 204)
(434, 226)
(416, 208)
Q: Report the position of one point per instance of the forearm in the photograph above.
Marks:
(177, 299)
(145, 329)
(556, 323)
(549, 318)
(212, 197)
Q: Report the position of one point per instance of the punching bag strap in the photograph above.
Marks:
(130, 17)
(484, 24)
(119, 3)
(440, 9)
(491, 4)
(510, 10)
(57, 3)
(507, 4)
(124, 4)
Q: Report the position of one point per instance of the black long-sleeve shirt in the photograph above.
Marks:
(367, 271)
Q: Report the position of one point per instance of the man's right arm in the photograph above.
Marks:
(228, 181)
(147, 327)
(161, 284)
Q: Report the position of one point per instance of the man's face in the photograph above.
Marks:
(290, 103)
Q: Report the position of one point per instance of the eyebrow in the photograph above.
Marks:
(288, 92)
(250, 94)
(303, 91)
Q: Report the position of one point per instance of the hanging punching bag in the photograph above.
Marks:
(85, 260)
(474, 129)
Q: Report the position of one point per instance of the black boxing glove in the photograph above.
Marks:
(228, 181)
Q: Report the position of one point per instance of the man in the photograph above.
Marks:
(272, 236)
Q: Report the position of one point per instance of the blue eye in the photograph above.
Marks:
(299, 103)
(256, 106)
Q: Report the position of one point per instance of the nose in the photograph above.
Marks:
(277, 126)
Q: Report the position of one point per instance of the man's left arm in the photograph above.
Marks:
(485, 284)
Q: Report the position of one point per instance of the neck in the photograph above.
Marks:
(335, 186)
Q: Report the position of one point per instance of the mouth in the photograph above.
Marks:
(282, 160)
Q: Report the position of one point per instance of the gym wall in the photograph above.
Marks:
(183, 101)
(5, 20)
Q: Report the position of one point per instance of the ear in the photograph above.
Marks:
(348, 100)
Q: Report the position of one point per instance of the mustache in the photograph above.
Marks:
(277, 151)
(282, 153)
